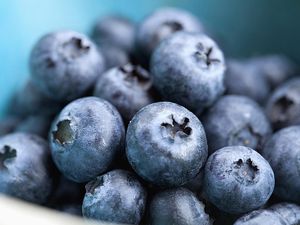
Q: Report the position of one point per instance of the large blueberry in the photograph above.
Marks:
(237, 179)
(85, 138)
(244, 78)
(23, 167)
(166, 144)
(260, 217)
(65, 64)
(236, 120)
(127, 88)
(283, 153)
(177, 207)
(115, 31)
(188, 69)
(275, 68)
(161, 24)
(283, 107)
(116, 196)
(29, 100)
(288, 212)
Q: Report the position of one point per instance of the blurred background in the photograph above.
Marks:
(242, 28)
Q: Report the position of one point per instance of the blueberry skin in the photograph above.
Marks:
(114, 31)
(114, 56)
(177, 207)
(283, 153)
(35, 124)
(65, 64)
(29, 100)
(161, 24)
(275, 68)
(288, 212)
(127, 88)
(244, 78)
(166, 144)
(86, 137)
(283, 107)
(259, 217)
(236, 120)
(237, 179)
(116, 196)
(188, 69)
(9, 124)
(23, 167)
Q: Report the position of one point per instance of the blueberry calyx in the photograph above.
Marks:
(245, 171)
(182, 129)
(74, 48)
(237, 137)
(204, 55)
(91, 186)
(6, 153)
(64, 133)
(281, 107)
(167, 28)
(50, 63)
(135, 74)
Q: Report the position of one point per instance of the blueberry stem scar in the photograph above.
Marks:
(176, 127)
(64, 133)
(8, 153)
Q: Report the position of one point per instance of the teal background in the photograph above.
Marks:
(242, 27)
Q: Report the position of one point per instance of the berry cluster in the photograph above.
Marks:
(156, 125)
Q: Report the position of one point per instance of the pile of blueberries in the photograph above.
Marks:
(157, 126)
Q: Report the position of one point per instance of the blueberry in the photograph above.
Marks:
(127, 88)
(289, 212)
(244, 78)
(166, 144)
(283, 153)
(35, 124)
(29, 100)
(276, 68)
(114, 31)
(283, 107)
(162, 24)
(23, 167)
(65, 64)
(259, 217)
(236, 120)
(86, 137)
(114, 56)
(116, 196)
(196, 183)
(188, 69)
(9, 124)
(237, 179)
(177, 207)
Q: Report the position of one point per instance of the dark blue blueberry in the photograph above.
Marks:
(23, 167)
(29, 100)
(244, 78)
(279, 214)
(114, 31)
(283, 153)
(161, 24)
(127, 88)
(283, 107)
(166, 144)
(288, 212)
(177, 207)
(86, 137)
(9, 124)
(116, 196)
(237, 179)
(35, 124)
(236, 120)
(275, 68)
(260, 217)
(65, 64)
(188, 69)
(114, 57)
